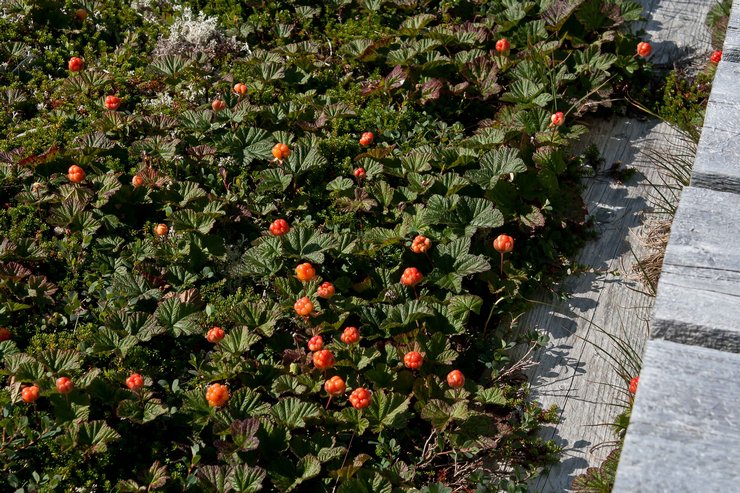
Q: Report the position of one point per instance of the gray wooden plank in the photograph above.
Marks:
(684, 434)
(699, 293)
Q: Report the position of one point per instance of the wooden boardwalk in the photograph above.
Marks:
(571, 371)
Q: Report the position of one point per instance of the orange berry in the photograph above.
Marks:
(455, 379)
(326, 290)
(360, 398)
(215, 335)
(316, 343)
(305, 272)
(217, 395)
(557, 119)
(366, 139)
(421, 244)
(350, 335)
(161, 229)
(644, 49)
(413, 360)
(279, 227)
(503, 244)
(135, 381)
(75, 174)
(323, 359)
(30, 394)
(112, 102)
(5, 334)
(218, 105)
(64, 385)
(303, 306)
(411, 277)
(137, 181)
(75, 64)
(335, 386)
(240, 89)
(281, 151)
(503, 45)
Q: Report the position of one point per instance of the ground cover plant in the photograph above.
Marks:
(279, 246)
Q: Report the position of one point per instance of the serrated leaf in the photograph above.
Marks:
(494, 164)
(293, 412)
(492, 395)
(178, 317)
(387, 410)
(60, 360)
(238, 340)
(246, 479)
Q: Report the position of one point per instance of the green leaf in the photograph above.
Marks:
(246, 479)
(494, 164)
(187, 220)
(93, 436)
(387, 410)
(24, 367)
(179, 317)
(60, 361)
(293, 412)
(238, 340)
(303, 159)
(307, 243)
(492, 395)
(404, 315)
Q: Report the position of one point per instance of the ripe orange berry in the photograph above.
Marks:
(421, 244)
(305, 272)
(316, 343)
(137, 181)
(326, 290)
(75, 174)
(30, 394)
(64, 385)
(135, 381)
(5, 334)
(503, 244)
(350, 335)
(633, 384)
(335, 386)
(217, 395)
(161, 229)
(644, 49)
(281, 151)
(240, 89)
(218, 105)
(411, 277)
(112, 102)
(455, 379)
(366, 139)
(360, 398)
(413, 360)
(323, 359)
(303, 306)
(557, 119)
(503, 45)
(279, 227)
(81, 15)
(215, 335)
(75, 64)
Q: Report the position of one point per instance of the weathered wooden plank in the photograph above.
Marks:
(699, 295)
(684, 432)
